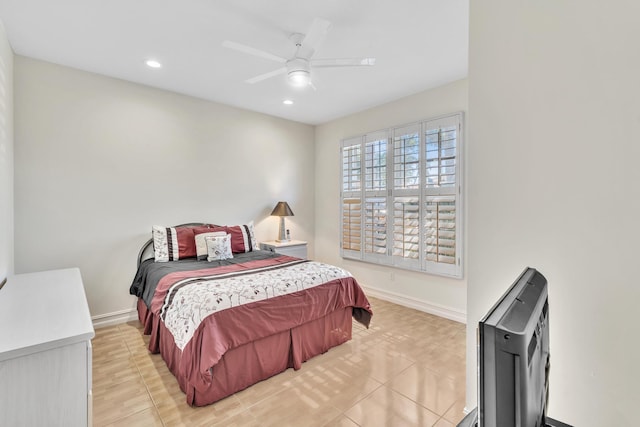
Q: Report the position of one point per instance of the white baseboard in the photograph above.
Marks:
(122, 316)
(427, 307)
(109, 319)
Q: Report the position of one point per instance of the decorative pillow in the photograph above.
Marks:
(207, 228)
(172, 244)
(200, 242)
(243, 238)
(218, 247)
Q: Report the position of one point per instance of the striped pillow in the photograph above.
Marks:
(243, 238)
(173, 243)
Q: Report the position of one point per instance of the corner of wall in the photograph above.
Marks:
(6, 156)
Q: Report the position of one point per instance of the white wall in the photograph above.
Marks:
(554, 183)
(98, 161)
(6, 156)
(436, 294)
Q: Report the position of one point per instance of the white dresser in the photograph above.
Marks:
(45, 350)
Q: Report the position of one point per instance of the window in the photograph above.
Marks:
(401, 196)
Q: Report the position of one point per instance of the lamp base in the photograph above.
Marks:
(282, 236)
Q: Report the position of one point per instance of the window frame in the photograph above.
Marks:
(444, 216)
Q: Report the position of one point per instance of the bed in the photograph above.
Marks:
(225, 324)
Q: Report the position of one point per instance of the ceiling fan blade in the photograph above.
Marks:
(252, 51)
(265, 76)
(343, 62)
(314, 37)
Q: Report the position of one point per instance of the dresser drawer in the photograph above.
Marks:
(294, 248)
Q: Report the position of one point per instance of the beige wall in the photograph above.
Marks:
(431, 293)
(98, 161)
(552, 145)
(6, 156)
(554, 183)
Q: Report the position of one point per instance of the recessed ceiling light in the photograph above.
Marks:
(153, 63)
(287, 102)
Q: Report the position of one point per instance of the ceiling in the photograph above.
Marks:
(418, 44)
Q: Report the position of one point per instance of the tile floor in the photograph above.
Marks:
(407, 369)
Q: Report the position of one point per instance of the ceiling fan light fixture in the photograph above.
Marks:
(298, 68)
(299, 78)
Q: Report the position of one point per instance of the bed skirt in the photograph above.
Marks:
(255, 361)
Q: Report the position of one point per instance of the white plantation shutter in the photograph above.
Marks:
(441, 192)
(351, 233)
(375, 197)
(351, 225)
(401, 196)
(406, 232)
(375, 228)
(406, 209)
(352, 166)
(440, 229)
(441, 153)
(375, 162)
(406, 158)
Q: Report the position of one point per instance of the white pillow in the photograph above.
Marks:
(218, 247)
(201, 243)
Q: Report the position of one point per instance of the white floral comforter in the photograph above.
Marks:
(189, 301)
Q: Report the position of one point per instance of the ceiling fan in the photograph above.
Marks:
(298, 67)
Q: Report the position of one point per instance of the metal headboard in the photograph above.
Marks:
(146, 252)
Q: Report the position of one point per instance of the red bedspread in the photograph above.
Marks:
(231, 328)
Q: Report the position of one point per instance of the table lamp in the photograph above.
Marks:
(282, 209)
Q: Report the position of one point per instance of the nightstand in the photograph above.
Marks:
(295, 248)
